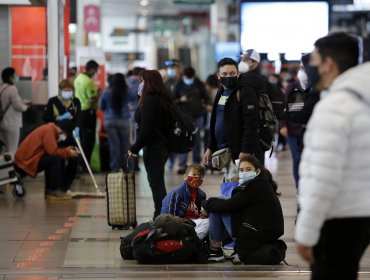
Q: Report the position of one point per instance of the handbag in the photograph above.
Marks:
(221, 158)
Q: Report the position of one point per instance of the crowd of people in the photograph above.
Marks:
(325, 126)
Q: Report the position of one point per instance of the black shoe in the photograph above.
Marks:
(215, 255)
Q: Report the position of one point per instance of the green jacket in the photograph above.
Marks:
(85, 90)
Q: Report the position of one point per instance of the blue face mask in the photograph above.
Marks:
(245, 176)
(67, 94)
(188, 82)
(171, 73)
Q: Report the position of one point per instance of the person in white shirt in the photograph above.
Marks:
(333, 226)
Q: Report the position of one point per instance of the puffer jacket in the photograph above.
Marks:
(335, 165)
(256, 214)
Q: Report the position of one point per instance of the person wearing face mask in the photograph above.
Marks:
(185, 200)
(228, 119)
(12, 106)
(252, 216)
(87, 93)
(251, 82)
(173, 75)
(39, 151)
(335, 167)
(190, 93)
(65, 106)
(289, 127)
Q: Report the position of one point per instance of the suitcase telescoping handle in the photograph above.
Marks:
(126, 163)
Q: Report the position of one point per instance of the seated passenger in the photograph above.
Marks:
(185, 200)
(252, 216)
(39, 151)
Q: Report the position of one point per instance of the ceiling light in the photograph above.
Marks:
(144, 3)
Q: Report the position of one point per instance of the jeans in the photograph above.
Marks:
(119, 141)
(340, 247)
(155, 157)
(183, 158)
(296, 156)
(218, 223)
(87, 132)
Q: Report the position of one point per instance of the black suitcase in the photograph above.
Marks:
(121, 199)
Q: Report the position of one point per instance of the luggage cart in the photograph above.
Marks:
(8, 175)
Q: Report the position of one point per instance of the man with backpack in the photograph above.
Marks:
(234, 119)
(251, 84)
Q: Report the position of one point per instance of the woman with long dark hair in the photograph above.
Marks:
(114, 102)
(152, 119)
(252, 216)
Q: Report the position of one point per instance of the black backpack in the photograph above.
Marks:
(181, 131)
(295, 103)
(268, 121)
(277, 99)
(149, 244)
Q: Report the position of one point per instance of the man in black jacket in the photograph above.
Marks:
(251, 83)
(234, 120)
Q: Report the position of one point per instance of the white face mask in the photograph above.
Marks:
(245, 176)
(303, 80)
(243, 67)
(62, 137)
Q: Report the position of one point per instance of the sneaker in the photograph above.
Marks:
(57, 195)
(216, 255)
(228, 253)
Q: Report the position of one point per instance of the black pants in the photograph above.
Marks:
(69, 166)
(155, 157)
(87, 132)
(53, 167)
(340, 248)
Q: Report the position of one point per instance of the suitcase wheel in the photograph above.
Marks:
(134, 224)
(123, 227)
(18, 191)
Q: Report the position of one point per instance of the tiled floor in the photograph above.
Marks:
(71, 239)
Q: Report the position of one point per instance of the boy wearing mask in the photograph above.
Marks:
(185, 200)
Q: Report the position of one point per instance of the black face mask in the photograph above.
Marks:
(312, 75)
(229, 82)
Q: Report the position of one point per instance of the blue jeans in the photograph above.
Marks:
(183, 158)
(218, 223)
(119, 141)
(296, 156)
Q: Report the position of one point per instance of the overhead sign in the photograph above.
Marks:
(193, 1)
(92, 18)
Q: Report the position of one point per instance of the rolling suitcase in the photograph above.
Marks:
(121, 200)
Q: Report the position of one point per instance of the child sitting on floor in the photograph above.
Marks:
(185, 200)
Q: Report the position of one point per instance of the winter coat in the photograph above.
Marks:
(256, 214)
(177, 201)
(335, 164)
(152, 118)
(241, 122)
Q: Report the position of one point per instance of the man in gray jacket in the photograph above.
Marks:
(333, 227)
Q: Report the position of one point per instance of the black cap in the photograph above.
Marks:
(172, 63)
(65, 125)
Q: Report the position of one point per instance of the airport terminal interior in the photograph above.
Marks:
(45, 39)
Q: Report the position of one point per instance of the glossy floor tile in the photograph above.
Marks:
(71, 239)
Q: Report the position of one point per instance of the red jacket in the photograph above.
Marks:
(40, 141)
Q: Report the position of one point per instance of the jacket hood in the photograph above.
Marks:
(355, 79)
(252, 79)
